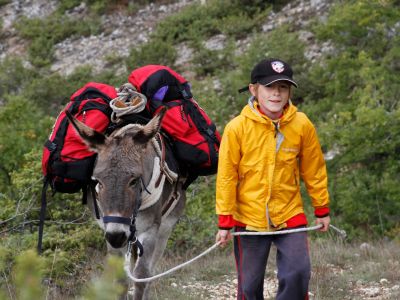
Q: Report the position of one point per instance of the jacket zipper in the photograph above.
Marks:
(271, 179)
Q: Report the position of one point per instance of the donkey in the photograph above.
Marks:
(123, 172)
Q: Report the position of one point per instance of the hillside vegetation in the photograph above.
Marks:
(350, 93)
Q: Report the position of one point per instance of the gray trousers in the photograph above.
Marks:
(293, 262)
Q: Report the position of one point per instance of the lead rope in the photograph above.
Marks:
(148, 279)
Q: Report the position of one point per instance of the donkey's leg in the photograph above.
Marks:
(142, 268)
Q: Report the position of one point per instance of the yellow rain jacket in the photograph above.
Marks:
(260, 165)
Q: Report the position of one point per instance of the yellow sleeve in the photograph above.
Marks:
(227, 175)
(313, 168)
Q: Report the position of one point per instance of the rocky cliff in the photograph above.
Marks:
(126, 29)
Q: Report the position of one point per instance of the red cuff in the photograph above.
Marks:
(225, 221)
(321, 212)
(296, 221)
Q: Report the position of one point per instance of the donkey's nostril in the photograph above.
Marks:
(116, 239)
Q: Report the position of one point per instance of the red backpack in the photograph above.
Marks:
(67, 163)
(195, 139)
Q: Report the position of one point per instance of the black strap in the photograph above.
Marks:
(58, 141)
(84, 194)
(42, 214)
(207, 131)
(115, 219)
(91, 93)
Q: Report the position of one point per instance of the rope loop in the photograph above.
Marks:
(129, 101)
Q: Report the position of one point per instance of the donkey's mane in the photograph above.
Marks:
(131, 128)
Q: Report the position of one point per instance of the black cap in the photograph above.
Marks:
(270, 70)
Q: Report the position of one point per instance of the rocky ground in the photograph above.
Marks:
(226, 289)
(340, 270)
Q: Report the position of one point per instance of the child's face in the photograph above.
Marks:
(271, 98)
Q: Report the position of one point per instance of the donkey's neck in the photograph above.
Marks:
(148, 162)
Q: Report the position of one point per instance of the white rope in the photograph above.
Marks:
(128, 255)
(129, 274)
(340, 231)
(129, 101)
(278, 231)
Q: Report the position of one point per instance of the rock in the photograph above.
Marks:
(217, 42)
(185, 54)
(384, 281)
(29, 8)
(365, 247)
(372, 291)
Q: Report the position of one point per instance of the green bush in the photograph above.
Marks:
(28, 270)
(22, 125)
(234, 18)
(353, 95)
(4, 2)
(196, 229)
(14, 77)
(45, 33)
(156, 51)
(108, 285)
(212, 62)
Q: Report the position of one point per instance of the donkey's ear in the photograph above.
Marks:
(90, 136)
(151, 128)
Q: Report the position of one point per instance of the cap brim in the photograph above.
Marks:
(269, 80)
(275, 78)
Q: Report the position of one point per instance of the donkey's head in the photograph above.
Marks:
(119, 171)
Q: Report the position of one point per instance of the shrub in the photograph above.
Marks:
(234, 18)
(156, 51)
(22, 125)
(212, 62)
(14, 77)
(45, 33)
(198, 225)
(353, 95)
(4, 2)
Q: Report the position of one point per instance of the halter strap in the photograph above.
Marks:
(115, 219)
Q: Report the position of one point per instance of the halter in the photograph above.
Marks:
(132, 239)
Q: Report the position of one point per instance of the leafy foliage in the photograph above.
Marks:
(13, 76)
(4, 2)
(45, 33)
(154, 52)
(18, 134)
(357, 90)
(233, 18)
(197, 227)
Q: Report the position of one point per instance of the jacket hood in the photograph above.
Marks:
(250, 111)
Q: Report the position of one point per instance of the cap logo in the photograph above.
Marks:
(278, 66)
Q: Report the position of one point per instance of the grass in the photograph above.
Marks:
(340, 270)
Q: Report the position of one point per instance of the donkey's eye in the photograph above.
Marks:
(133, 182)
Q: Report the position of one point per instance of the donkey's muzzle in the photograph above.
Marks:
(116, 239)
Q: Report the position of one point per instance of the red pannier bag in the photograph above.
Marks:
(67, 163)
(195, 139)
